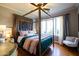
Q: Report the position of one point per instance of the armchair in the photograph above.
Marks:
(71, 41)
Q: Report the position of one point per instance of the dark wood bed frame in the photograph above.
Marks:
(17, 20)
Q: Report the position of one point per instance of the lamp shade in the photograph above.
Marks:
(2, 30)
(8, 32)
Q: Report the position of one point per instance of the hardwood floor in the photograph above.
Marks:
(58, 51)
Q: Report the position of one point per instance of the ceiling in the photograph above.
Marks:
(23, 8)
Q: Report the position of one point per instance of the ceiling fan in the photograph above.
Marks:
(39, 6)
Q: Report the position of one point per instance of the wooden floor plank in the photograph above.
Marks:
(59, 50)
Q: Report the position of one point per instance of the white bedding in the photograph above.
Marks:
(20, 37)
(30, 43)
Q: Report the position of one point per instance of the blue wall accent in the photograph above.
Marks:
(23, 26)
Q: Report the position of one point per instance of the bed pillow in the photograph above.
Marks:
(23, 33)
(20, 38)
(69, 38)
(31, 33)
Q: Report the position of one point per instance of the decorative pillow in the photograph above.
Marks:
(20, 38)
(23, 33)
(30, 33)
(72, 39)
(76, 38)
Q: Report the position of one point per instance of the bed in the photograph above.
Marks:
(26, 42)
(31, 43)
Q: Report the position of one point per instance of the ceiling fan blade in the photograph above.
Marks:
(44, 4)
(46, 13)
(33, 4)
(30, 11)
(46, 9)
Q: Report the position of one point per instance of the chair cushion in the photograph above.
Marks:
(67, 42)
(72, 39)
(70, 44)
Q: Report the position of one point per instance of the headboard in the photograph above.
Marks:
(21, 23)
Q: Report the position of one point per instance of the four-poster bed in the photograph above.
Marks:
(44, 41)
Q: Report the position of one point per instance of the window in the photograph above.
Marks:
(43, 27)
(47, 25)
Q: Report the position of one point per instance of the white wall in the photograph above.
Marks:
(6, 17)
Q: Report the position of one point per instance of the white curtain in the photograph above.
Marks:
(43, 27)
(34, 27)
(59, 28)
(47, 27)
(50, 26)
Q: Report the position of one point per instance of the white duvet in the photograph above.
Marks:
(30, 43)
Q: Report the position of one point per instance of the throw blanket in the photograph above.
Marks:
(31, 43)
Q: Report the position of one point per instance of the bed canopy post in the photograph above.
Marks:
(39, 13)
(39, 8)
(53, 34)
